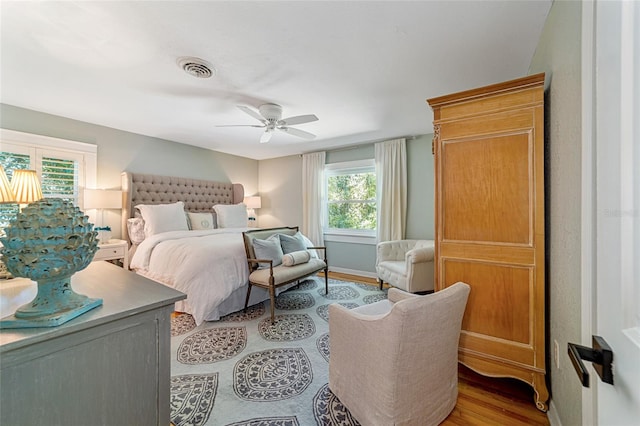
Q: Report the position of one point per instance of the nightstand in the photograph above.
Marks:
(114, 250)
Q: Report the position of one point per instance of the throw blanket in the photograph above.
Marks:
(206, 265)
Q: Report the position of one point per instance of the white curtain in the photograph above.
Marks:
(391, 172)
(312, 196)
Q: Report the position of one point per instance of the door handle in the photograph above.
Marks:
(600, 355)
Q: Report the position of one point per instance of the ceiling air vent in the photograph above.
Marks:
(196, 67)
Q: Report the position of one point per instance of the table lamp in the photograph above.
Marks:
(252, 203)
(6, 193)
(26, 186)
(6, 196)
(100, 200)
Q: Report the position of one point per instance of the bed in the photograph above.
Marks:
(209, 265)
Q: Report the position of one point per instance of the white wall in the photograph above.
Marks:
(558, 55)
(281, 192)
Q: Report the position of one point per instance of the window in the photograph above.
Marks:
(350, 201)
(64, 167)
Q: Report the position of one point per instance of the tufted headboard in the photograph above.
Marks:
(197, 195)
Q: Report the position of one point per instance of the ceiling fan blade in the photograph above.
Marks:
(254, 114)
(297, 132)
(240, 125)
(266, 136)
(298, 119)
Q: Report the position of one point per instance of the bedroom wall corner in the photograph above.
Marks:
(280, 186)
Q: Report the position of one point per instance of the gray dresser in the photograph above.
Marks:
(109, 366)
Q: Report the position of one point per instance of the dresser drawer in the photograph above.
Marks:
(109, 253)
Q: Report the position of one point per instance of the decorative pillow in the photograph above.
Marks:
(308, 243)
(135, 228)
(268, 249)
(291, 243)
(200, 221)
(163, 218)
(231, 215)
(296, 258)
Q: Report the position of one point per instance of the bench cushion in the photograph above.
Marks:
(283, 274)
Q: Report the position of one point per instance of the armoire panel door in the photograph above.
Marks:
(488, 212)
(488, 196)
(489, 164)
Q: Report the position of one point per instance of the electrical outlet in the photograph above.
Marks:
(556, 354)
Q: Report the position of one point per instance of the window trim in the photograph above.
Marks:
(352, 236)
(355, 236)
(85, 153)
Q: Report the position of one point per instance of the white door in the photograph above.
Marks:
(612, 206)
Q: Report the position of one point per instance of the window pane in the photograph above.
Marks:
(351, 198)
(59, 178)
(352, 215)
(11, 162)
(358, 186)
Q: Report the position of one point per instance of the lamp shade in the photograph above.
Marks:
(6, 193)
(26, 186)
(254, 202)
(102, 199)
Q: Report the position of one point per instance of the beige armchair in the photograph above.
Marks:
(395, 362)
(406, 264)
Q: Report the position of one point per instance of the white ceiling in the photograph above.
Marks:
(364, 68)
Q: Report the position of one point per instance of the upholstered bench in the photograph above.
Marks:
(273, 263)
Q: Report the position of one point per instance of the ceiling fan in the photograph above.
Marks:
(270, 117)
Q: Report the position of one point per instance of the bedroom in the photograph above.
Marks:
(278, 179)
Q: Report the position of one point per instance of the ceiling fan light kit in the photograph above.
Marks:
(270, 111)
(270, 117)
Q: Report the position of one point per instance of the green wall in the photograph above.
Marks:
(278, 180)
(120, 151)
(281, 188)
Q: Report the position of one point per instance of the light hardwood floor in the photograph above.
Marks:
(484, 400)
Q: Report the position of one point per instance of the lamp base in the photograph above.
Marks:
(55, 304)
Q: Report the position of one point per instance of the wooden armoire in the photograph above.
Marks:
(489, 167)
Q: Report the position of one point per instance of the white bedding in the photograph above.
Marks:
(207, 265)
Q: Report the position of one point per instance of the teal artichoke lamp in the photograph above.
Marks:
(48, 242)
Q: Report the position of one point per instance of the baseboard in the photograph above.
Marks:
(353, 272)
(552, 415)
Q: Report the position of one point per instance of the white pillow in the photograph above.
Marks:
(295, 257)
(231, 215)
(201, 221)
(291, 243)
(308, 243)
(268, 249)
(163, 218)
(135, 228)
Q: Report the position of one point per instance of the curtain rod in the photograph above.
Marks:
(358, 145)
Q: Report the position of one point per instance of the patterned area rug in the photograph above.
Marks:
(243, 371)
